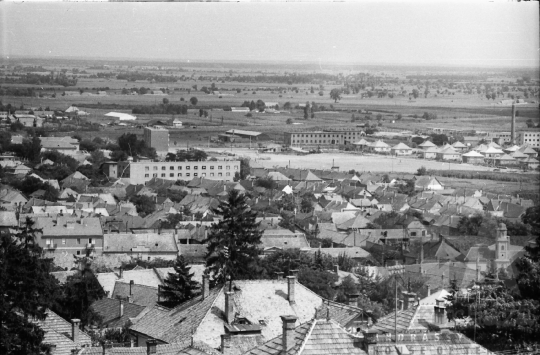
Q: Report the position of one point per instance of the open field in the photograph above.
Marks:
(346, 161)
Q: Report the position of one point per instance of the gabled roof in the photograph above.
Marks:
(379, 144)
(8, 219)
(492, 150)
(318, 336)
(58, 332)
(447, 150)
(357, 222)
(257, 300)
(401, 145)
(427, 144)
(505, 157)
(518, 154)
(458, 144)
(109, 310)
(473, 154)
(141, 295)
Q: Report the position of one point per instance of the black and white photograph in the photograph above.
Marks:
(270, 177)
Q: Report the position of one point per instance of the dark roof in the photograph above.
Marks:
(142, 295)
(109, 310)
(176, 324)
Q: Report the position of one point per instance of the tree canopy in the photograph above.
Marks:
(179, 286)
(234, 242)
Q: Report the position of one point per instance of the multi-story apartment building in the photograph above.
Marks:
(499, 137)
(323, 138)
(77, 236)
(157, 138)
(532, 138)
(143, 171)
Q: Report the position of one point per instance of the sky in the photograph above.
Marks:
(388, 32)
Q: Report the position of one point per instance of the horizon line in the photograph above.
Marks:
(278, 61)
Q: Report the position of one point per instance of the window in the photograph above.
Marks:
(196, 167)
(155, 168)
(78, 240)
(78, 252)
(171, 175)
(91, 240)
(187, 174)
(171, 167)
(146, 175)
(204, 167)
(228, 174)
(179, 174)
(188, 167)
(146, 168)
(228, 167)
(48, 242)
(63, 241)
(236, 167)
(154, 175)
(163, 168)
(203, 174)
(179, 168)
(163, 175)
(413, 234)
(502, 247)
(219, 174)
(195, 174)
(212, 167)
(211, 174)
(219, 167)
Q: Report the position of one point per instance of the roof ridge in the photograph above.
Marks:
(306, 337)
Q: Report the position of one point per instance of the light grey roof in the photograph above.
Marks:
(150, 242)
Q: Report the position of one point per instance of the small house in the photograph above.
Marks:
(473, 157)
(401, 149)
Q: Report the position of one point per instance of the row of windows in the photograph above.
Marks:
(531, 134)
(532, 140)
(196, 167)
(319, 135)
(52, 241)
(163, 175)
(313, 141)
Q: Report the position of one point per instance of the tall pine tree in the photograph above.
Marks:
(27, 290)
(179, 286)
(234, 242)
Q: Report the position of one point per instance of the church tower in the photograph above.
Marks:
(501, 248)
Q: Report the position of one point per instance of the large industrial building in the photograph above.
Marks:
(323, 138)
(143, 171)
(532, 138)
(157, 138)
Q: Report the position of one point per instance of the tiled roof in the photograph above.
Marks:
(109, 309)
(183, 348)
(58, 332)
(387, 323)
(258, 300)
(178, 323)
(443, 343)
(318, 336)
(142, 295)
(69, 226)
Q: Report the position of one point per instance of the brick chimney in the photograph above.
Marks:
(151, 346)
(291, 281)
(400, 307)
(229, 307)
(287, 338)
(159, 293)
(352, 299)
(226, 344)
(131, 283)
(121, 273)
(205, 287)
(370, 341)
(279, 275)
(104, 347)
(408, 298)
(428, 290)
(336, 268)
(75, 329)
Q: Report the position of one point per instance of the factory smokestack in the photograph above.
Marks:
(513, 128)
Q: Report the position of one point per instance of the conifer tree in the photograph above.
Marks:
(27, 290)
(234, 242)
(179, 286)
